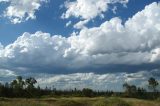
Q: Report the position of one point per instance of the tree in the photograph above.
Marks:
(30, 82)
(141, 93)
(17, 85)
(153, 83)
(87, 92)
(30, 88)
(130, 90)
(7, 90)
(1, 90)
(127, 89)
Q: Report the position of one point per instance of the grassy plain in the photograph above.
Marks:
(78, 101)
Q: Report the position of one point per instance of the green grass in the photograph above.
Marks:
(111, 102)
(78, 101)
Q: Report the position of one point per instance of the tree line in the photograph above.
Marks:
(138, 92)
(25, 88)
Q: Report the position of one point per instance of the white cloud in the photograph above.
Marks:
(68, 23)
(6, 73)
(81, 24)
(134, 43)
(1, 46)
(4, 0)
(114, 9)
(81, 80)
(32, 48)
(112, 43)
(139, 35)
(155, 55)
(110, 81)
(22, 10)
(88, 9)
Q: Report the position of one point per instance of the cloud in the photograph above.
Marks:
(111, 47)
(107, 81)
(68, 23)
(32, 48)
(110, 81)
(22, 10)
(114, 9)
(4, 0)
(1, 46)
(6, 73)
(88, 9)
(81, 80)
(81, 24)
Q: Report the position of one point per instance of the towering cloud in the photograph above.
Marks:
(134, 43)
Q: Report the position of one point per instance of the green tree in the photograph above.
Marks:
(1, 90)
(87, 92)
(141, 93)
(130, 90)
(153, 83)
(30, 82)
(127, 89)
(17, 85)
(30, 88)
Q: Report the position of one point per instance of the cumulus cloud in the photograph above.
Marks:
(88, 9)
(22, 10)
(32, 48)
(139, 33)
(133, 44)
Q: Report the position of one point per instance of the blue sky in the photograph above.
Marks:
(48, 19)
(90, 41)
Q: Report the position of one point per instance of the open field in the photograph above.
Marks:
(78, 101)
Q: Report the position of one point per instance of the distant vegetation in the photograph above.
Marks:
(25, 88)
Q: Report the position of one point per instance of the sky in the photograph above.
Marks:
(98, 44)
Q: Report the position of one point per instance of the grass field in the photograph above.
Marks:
(76, 101)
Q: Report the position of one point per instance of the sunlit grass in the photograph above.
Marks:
(78, 101)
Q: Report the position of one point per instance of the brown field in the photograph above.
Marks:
(78, 101)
